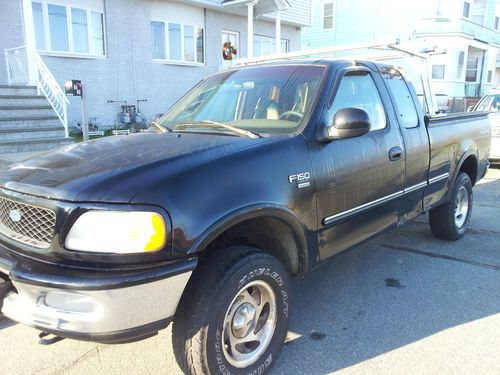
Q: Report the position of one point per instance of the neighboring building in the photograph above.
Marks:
(142, 49)
(467, 30)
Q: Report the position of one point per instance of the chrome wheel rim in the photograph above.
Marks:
(249, 324)
(461, 207)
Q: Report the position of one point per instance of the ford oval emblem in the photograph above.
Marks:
(15, 215)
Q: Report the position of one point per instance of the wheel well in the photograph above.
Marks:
(268, 234)
(469, 166)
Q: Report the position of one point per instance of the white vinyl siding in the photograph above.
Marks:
(71, 27)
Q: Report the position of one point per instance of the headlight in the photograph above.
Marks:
(120, 232)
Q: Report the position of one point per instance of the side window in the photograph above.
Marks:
(359, 91)
(405, 107)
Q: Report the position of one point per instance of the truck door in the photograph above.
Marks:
(415, 137)
(359, 180)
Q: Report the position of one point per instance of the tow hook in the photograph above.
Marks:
(48, 338)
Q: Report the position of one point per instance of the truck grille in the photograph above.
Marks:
(26, 223)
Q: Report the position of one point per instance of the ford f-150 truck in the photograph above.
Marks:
(256, 175)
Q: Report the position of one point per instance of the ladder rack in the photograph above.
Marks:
(393, 46)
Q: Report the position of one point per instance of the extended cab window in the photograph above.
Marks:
(358, 90)
(405, 107)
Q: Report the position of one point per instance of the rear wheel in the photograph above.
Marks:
(234, 314)
(451, 220)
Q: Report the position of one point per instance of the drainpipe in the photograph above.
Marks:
(250, 12)
(278, 32)
(30, 41)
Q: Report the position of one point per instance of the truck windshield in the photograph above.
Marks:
(263, 99)
(490, 103)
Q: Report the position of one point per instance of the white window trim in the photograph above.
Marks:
(182, 62)
(69, 26)
(271, 39)
(444, 72)
(322, 14)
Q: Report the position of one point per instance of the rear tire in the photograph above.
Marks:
(234, 314)
(451, 220)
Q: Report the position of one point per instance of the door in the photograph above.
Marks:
(359, 180)
(415, 138)
(234, 38)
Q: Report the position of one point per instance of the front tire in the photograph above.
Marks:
(234, 314)
(451, 220)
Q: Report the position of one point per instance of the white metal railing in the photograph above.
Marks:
(20, 63)
(48, 85)
(17, 65)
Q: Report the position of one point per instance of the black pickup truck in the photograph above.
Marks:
(257, 174)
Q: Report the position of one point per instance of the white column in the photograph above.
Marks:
(278, 32)
(30, 41)
(250, 30)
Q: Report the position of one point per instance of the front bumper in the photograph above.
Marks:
(105, 306)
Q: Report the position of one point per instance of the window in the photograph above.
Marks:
(68, 29)
(158, 40)
(359, 91)
(176, 42)
(471, 71)
(466, 10)
(490, 76)
(497, 21)
(263, 45)
(328, 15)
(438, 71)
(405, 106)
(460, 65)
(39, 27)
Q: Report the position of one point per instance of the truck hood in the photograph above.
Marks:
(114, 169)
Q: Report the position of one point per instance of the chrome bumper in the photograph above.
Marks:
(95, 314)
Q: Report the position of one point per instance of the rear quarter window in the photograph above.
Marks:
(404, 104)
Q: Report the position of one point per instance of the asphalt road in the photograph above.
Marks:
(402, 303)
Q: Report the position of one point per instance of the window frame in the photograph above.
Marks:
(468, 9)
(323, 5)
(460, 71)
(271, 39)
(432, 71)
(358, 71)
(167, 59)
(68, 5)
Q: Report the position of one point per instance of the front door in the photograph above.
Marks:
(359, 180)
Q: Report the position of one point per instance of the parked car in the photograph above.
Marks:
(259, 174)
(491, 103)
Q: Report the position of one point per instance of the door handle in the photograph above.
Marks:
(395, 153)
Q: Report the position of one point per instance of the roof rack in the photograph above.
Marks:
(392, 46)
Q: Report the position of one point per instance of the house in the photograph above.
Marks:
(468, 32)
(132, 50)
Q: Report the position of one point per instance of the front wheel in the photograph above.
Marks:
(451, 220)
(234, 314)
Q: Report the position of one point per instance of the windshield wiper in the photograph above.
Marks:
(161, 128)
(208, 123)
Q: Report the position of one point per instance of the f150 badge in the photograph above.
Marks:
(301, 179)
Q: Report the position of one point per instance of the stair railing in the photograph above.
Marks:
(18, 72)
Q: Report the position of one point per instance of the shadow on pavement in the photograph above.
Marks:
(6, 323)
(374, 299)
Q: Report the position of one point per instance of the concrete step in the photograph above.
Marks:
(7, 100)
(18, 90)
(18, 134)
(33, 144)
(26, 110)
(29, 121)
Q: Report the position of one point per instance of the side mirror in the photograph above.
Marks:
(470, 108)
(347, 123)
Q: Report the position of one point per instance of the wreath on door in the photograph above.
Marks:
(228, 51)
